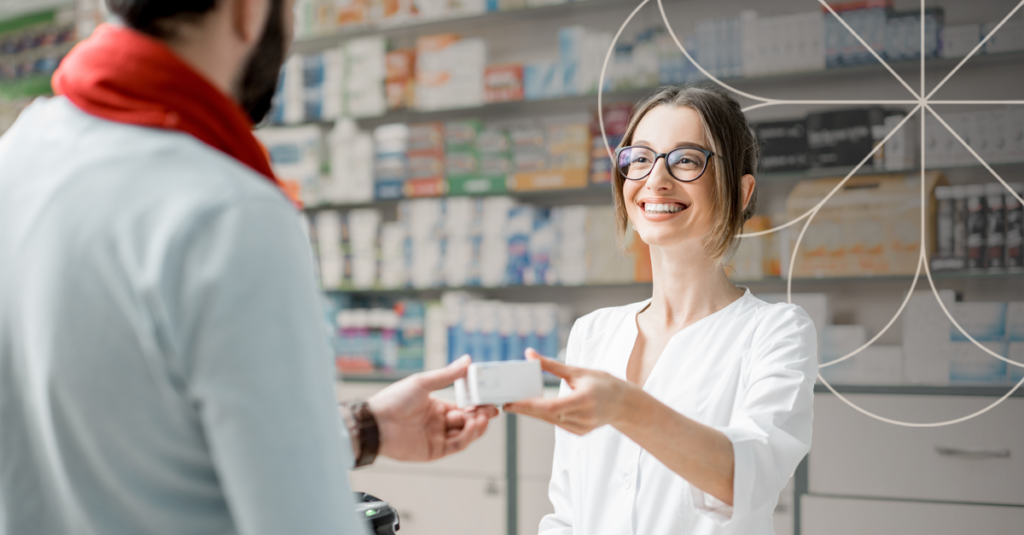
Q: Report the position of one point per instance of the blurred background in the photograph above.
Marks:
(456, 185)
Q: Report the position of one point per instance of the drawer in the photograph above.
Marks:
(980, 460)
(485, 457)
(535, 440)
(850, 516)
(439, 505)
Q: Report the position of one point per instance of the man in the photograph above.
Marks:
(163, 368)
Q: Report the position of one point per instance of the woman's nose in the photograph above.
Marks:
(660, 179)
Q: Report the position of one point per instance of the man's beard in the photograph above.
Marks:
(259, 78)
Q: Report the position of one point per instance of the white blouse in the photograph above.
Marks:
(747, 370)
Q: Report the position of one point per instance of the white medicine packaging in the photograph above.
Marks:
(497, 383)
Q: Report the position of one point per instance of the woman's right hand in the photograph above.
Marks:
(598, 398)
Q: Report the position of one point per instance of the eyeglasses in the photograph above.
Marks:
(685, 164)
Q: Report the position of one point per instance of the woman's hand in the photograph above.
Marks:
(597, 398)
(415, 426)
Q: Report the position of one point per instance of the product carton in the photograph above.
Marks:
(784, 146)
(870, 227)
(842, 138)
(296, 154)
(926, 338)
(875, 365)
(986, 323)
(958, 41)
(503, 83)
(449, 72)
(1009, 38)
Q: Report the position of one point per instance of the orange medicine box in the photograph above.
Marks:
(872, 226)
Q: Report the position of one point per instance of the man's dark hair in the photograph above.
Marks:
(158, 17)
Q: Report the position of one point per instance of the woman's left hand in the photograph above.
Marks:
(597, 398)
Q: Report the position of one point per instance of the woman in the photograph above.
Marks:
(687, 412)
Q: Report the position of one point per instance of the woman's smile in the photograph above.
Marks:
(657, 209)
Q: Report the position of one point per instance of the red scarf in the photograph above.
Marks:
(122, 75)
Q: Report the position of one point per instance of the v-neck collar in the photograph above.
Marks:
(635, 332)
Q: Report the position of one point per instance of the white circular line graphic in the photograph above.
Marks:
(921, 104)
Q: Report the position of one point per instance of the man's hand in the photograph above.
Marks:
(414, 426)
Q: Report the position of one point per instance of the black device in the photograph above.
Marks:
(381, 517)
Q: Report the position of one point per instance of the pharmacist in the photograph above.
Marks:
(163, 365)
(687, 412)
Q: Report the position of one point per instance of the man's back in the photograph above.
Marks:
(162, 365)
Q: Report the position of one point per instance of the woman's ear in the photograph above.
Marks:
(747, 184)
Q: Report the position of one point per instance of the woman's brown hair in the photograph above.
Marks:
(736, 149)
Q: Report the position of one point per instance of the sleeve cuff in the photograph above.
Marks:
(347, 455)
(743, 479)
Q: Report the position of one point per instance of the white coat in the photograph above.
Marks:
(163, 363)
(747, 370)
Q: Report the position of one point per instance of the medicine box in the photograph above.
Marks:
(497, 383)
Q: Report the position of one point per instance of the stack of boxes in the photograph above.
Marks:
(616, 120)
(391, 165)
(470, 242)
(995, 135)
(424, 226)
(495, 331)
(365, 77)
(872, 226)
(382, 336)
(297, 156)
(426, 160)
(938, 353)
(449, 72)
(400, 80)
(552, 153)
(979, 227)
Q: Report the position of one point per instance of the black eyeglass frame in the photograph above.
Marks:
(657, 155)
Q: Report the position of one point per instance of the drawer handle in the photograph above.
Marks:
(973, 454)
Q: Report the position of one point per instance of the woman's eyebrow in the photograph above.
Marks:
(680, 144)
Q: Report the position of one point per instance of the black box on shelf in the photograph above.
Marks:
(842, 138)
(783, 146)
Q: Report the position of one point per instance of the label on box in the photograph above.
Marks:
(503, 83)
(477, 185)
(425, 187)
(549, 180)
(461, 164)
(426, 137)
(388, 189)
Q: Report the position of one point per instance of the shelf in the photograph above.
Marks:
(994, 391)
(420, 26)
(601, 194)
(374, 377)
(770, 282)
(583, 102)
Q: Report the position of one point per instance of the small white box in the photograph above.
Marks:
(497, 383)
(958, 41)
(1009, 38)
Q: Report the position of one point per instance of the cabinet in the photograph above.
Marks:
(865, 476)
(853, 516)
(978, 461)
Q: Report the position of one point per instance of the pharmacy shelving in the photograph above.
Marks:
(580, 103)
(767, 284)
(596, 194)
(315, 43)
(992, 391)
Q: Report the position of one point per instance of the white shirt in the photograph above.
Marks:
(747, 370)
(163, 363)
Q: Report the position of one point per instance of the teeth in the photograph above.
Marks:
(662, 208)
